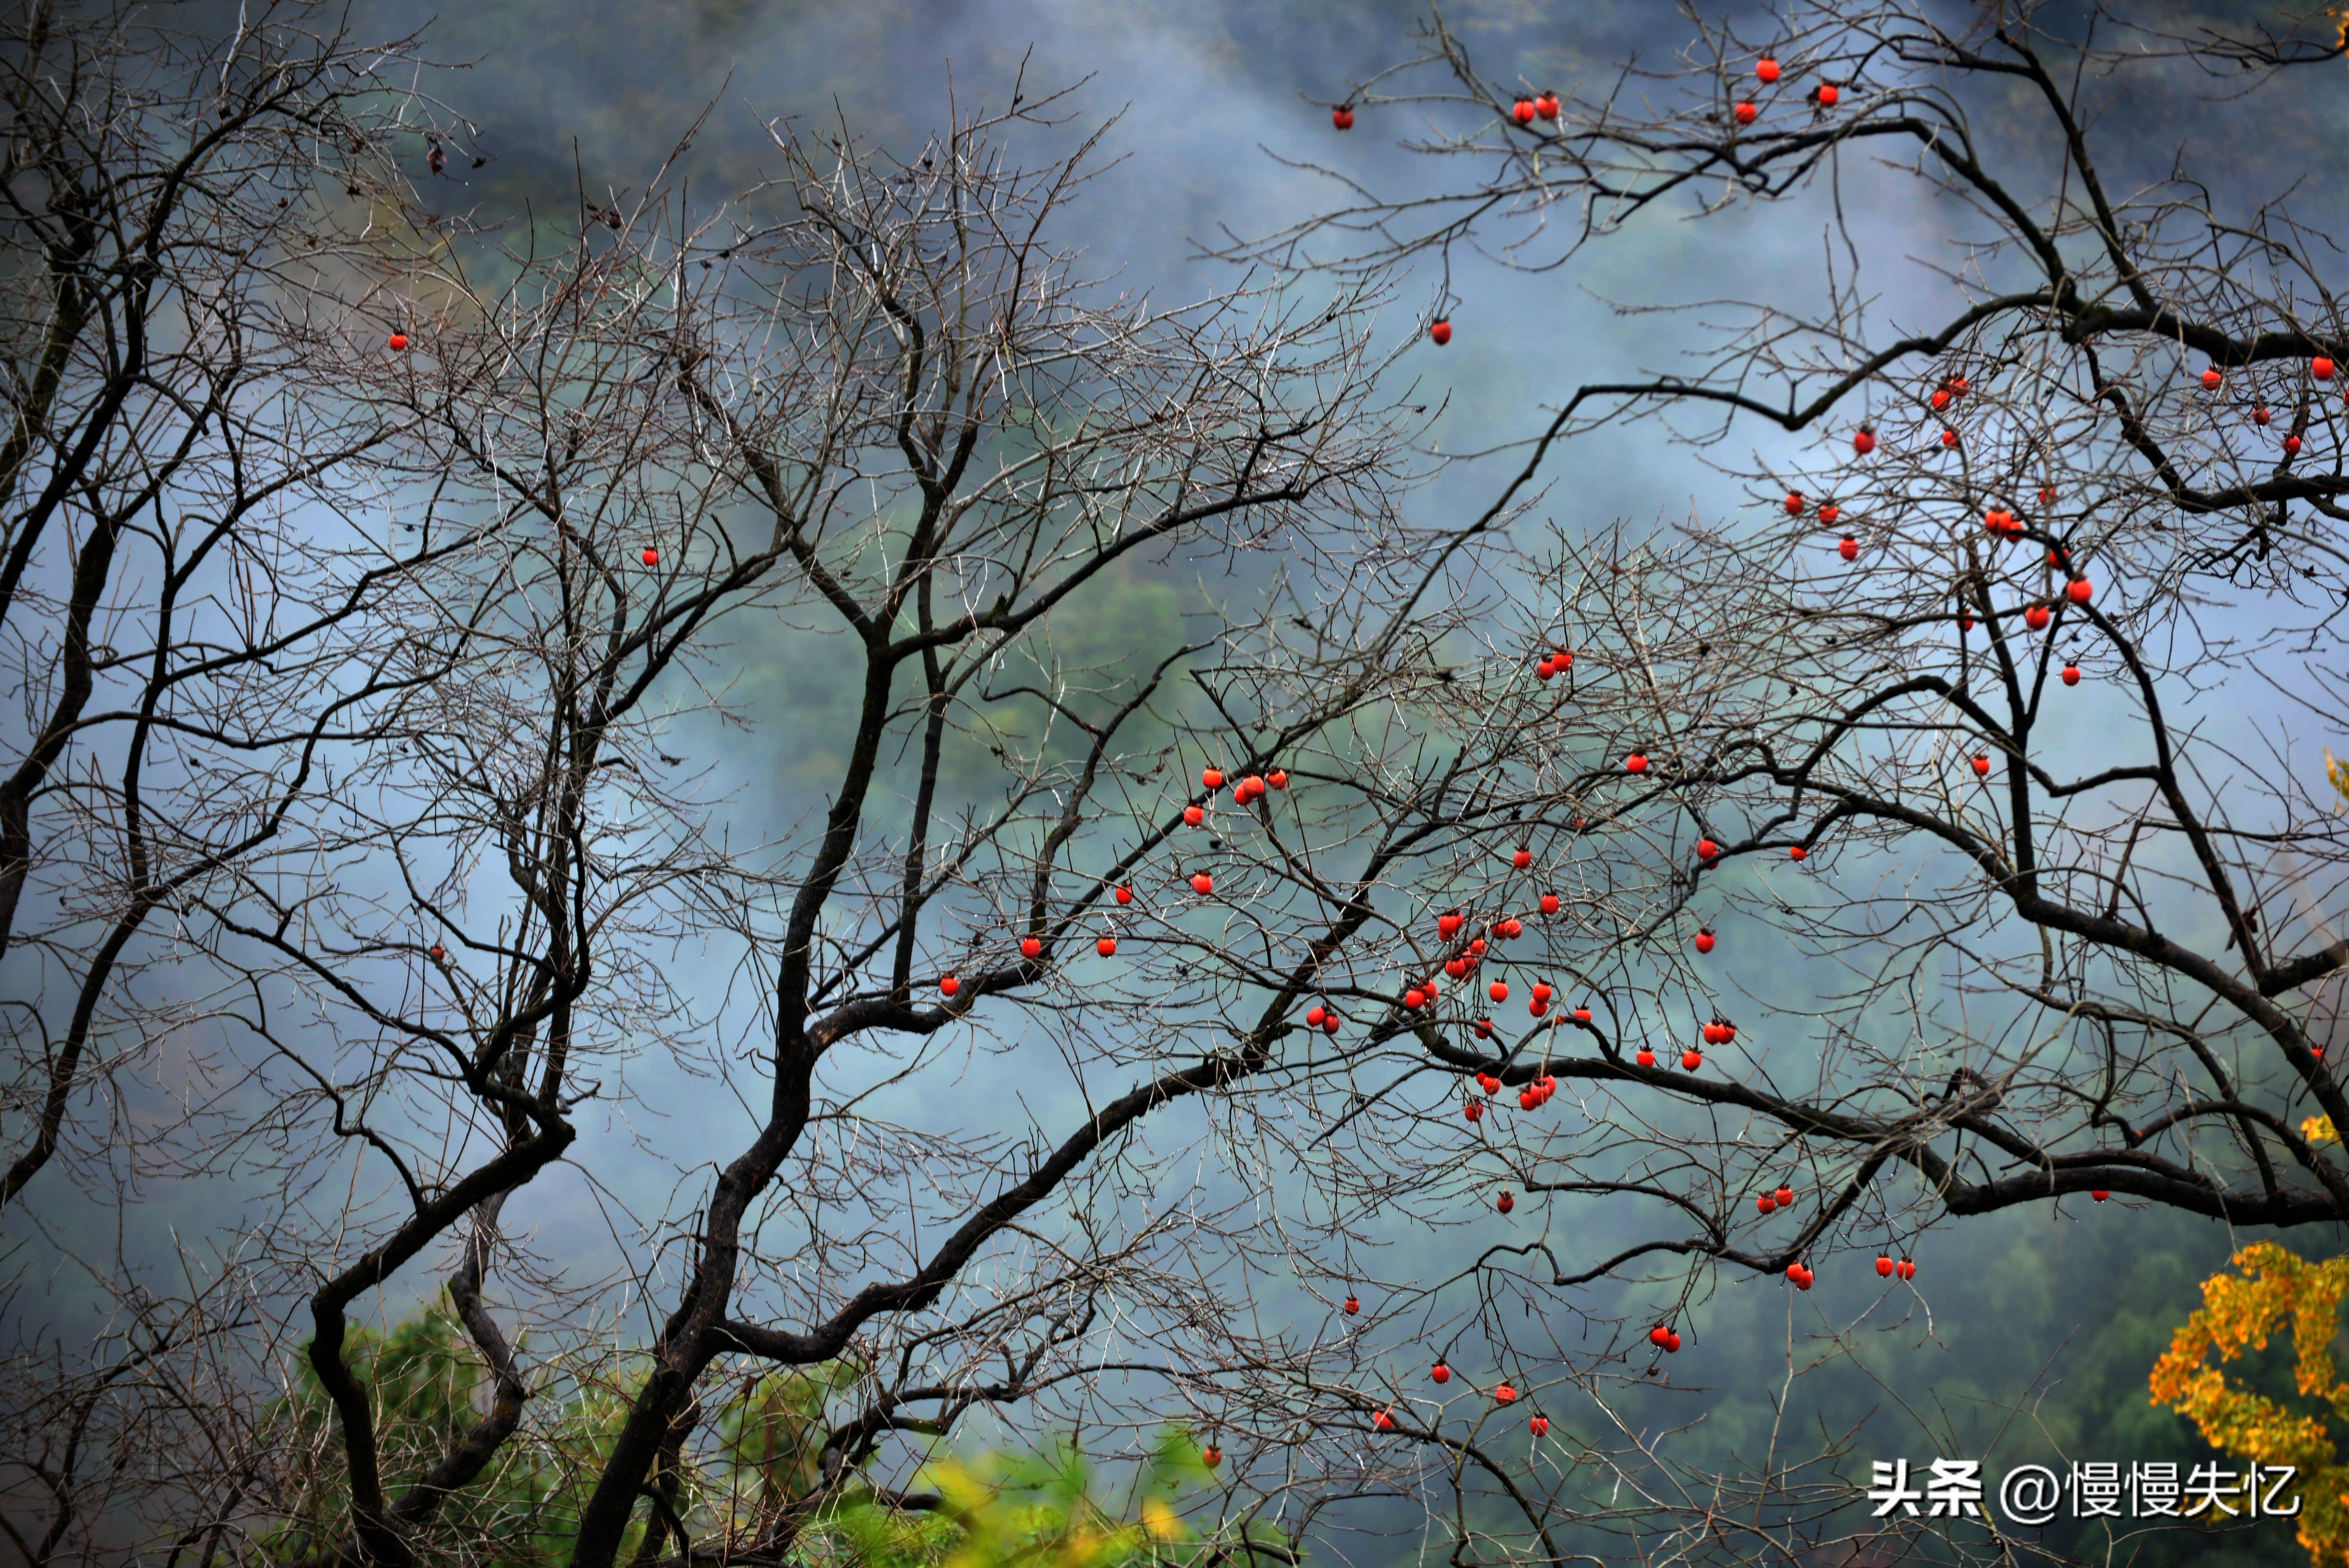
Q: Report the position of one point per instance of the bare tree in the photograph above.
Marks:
(189, 255)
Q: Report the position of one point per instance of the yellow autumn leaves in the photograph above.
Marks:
(1064, 1531)
(1039, 1510)
(2273, 1288)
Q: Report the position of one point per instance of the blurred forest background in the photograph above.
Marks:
(2038, 1326)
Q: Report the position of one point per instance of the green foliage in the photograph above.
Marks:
(1039, 1510)
(428, 1388)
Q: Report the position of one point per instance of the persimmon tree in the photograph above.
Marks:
(1959, 770)
(447, 918)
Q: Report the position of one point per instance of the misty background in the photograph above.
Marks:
(2030, 1332)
